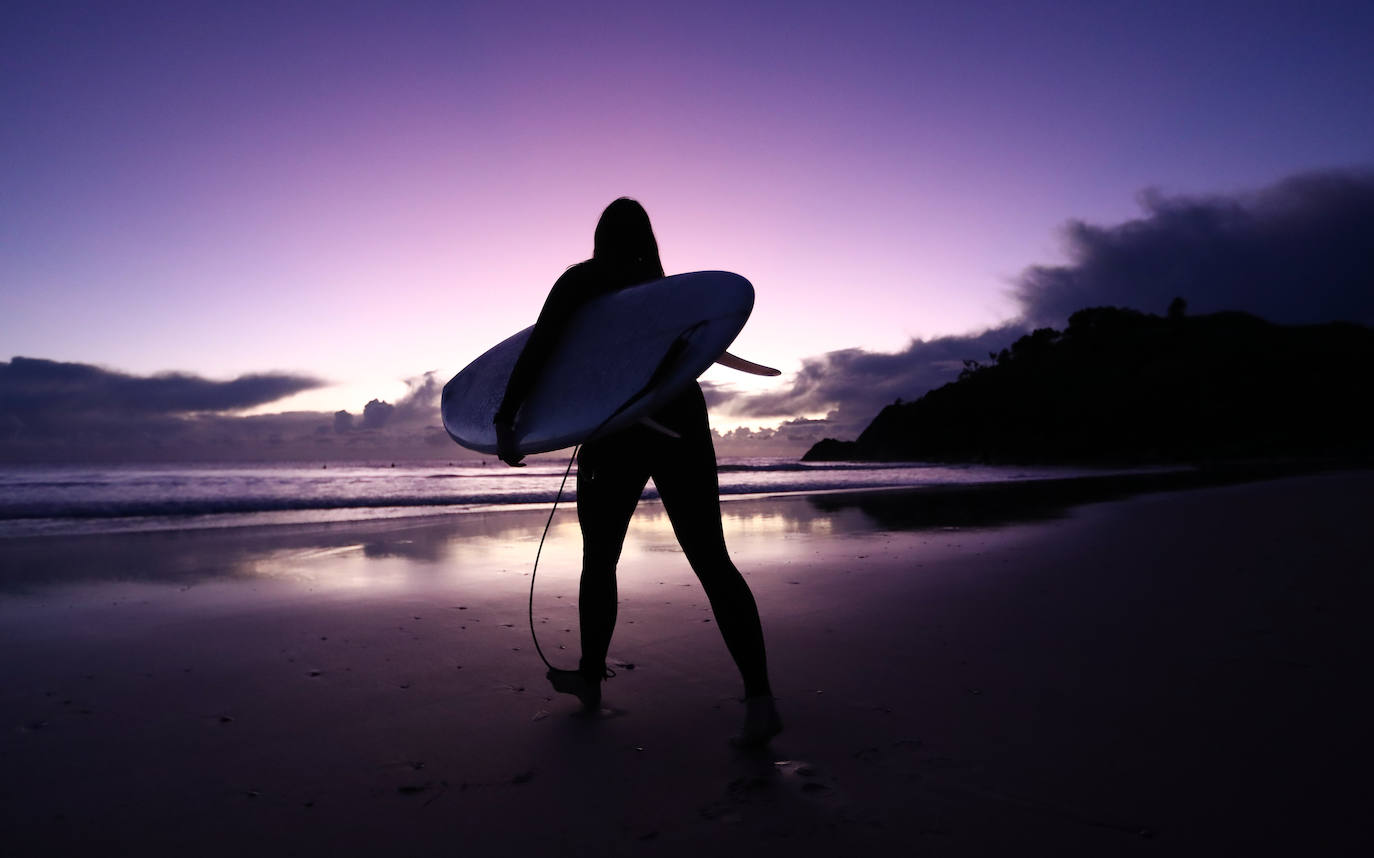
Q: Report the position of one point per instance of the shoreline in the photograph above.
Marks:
(1059, 492)
(1162, 671)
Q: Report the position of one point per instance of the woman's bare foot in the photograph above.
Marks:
(582, 686)
(761, 722)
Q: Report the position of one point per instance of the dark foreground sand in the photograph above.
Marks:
(1172, 673)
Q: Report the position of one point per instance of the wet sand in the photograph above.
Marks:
(1178, 672)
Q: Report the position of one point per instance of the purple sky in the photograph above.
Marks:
(364, 192)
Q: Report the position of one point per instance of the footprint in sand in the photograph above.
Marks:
(772, 788)
(803, 778)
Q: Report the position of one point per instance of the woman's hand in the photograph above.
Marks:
(505, 444)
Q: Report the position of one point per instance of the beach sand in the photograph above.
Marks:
(1176, 672)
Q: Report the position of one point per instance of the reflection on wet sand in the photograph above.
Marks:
(1000, 504)
(341, 689)
(357, 554)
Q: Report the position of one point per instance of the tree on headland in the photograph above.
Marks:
(1119, 385)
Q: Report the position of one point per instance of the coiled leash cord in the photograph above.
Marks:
(665, 363)
(540, 550)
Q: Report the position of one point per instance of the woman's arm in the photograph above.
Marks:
(564, 298)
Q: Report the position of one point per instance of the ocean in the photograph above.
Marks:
(73, 499)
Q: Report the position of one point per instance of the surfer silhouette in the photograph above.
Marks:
(613, 470)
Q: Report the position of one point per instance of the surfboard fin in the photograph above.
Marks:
(739, 363)
(658, 427)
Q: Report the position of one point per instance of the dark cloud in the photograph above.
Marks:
(1298, 251)
(32, 386)
(421, 401)
(51, 411)
(789, 438)
(50, 404)
(418, 406)
(76, 411)
(852, 385)
(376, 413)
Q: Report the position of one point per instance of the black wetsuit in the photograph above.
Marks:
(612, 473)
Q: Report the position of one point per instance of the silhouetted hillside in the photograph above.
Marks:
(1123, 386)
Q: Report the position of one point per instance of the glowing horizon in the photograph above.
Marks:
(365, 196)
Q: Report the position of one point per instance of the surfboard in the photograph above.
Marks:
(621, 357)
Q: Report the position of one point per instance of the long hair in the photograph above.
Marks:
(624, 242)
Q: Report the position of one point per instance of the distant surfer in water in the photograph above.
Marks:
(612, 472)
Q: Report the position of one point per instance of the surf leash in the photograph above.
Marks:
(670, 357)
(535, 571)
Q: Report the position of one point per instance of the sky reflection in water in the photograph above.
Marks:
(462, 550)
(475, 552)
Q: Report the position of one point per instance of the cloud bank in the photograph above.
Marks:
(55, 411)
(1299, 251)
(1296, 252)
(419, 406)
(36, 390)
(850, 386)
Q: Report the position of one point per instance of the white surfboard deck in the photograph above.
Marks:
(610, 350)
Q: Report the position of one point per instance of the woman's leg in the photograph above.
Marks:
(609, 484)
(685, 475)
